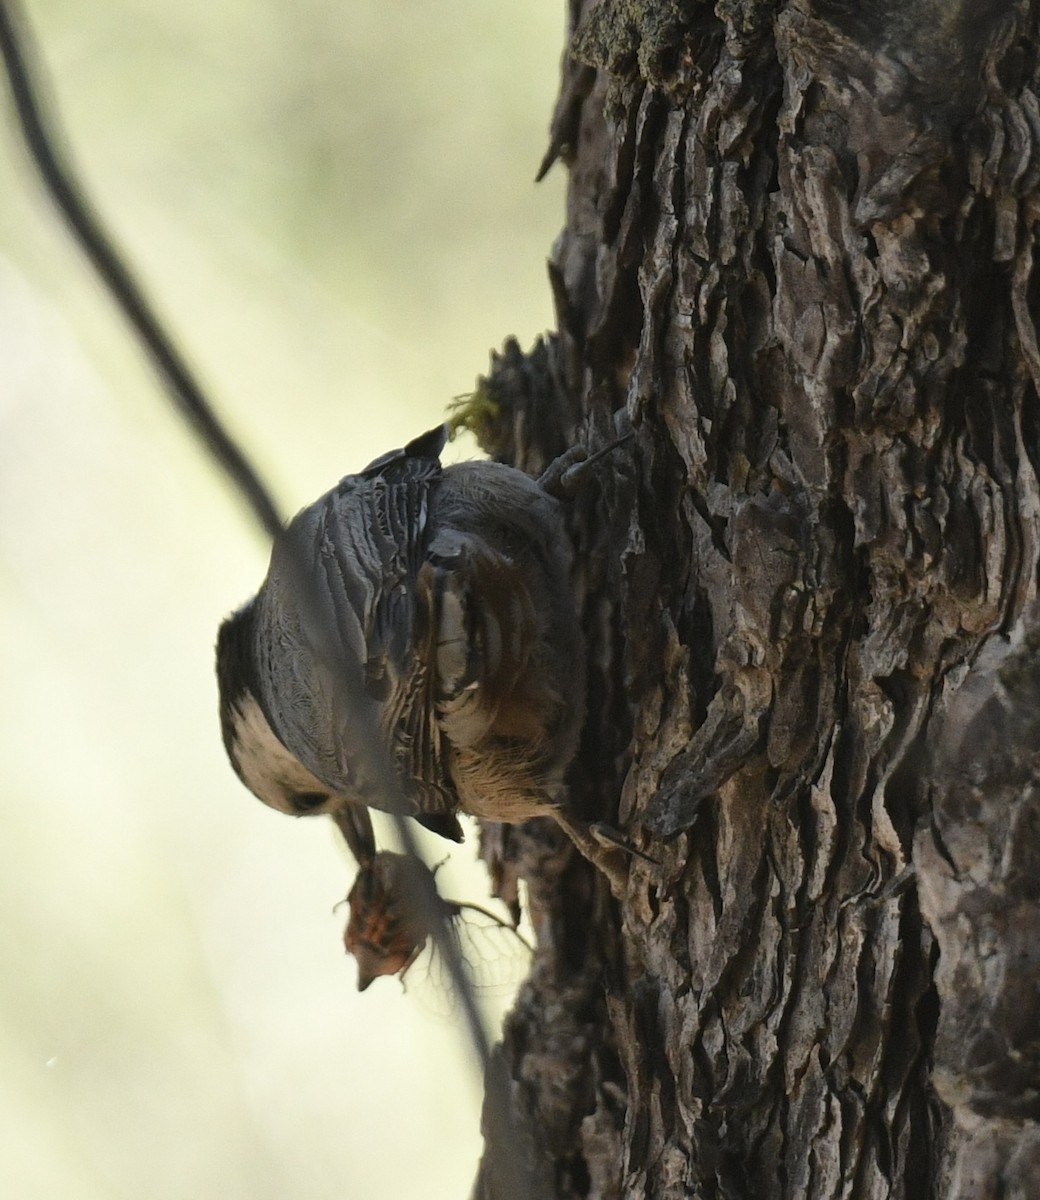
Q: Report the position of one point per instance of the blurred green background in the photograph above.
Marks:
(334, 206)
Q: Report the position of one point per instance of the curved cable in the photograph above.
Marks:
(41, 138)
(40, 133)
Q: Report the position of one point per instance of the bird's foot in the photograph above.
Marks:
(604, 847)
(566, 475)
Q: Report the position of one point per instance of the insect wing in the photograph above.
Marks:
(494, 957)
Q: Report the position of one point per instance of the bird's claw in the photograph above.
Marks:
(611, 839)
(566, 475)
(604, 847)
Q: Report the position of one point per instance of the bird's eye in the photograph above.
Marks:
(308, 802)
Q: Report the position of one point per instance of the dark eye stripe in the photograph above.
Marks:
(305, 802)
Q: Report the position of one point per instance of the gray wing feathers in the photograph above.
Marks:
(373, 545)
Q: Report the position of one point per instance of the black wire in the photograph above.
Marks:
(41, 137)
(58, 176)
(39, 130)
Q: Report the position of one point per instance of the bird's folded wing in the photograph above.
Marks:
(371, 547)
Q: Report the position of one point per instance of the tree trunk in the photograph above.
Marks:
(799, 252)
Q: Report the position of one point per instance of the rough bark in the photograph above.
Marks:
(799, 254)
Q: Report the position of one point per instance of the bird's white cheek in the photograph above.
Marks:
(269, 771)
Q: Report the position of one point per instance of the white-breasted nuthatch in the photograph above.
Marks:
(433, 607)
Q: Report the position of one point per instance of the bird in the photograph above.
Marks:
(428, 608)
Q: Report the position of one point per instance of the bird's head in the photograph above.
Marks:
(270, 771)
